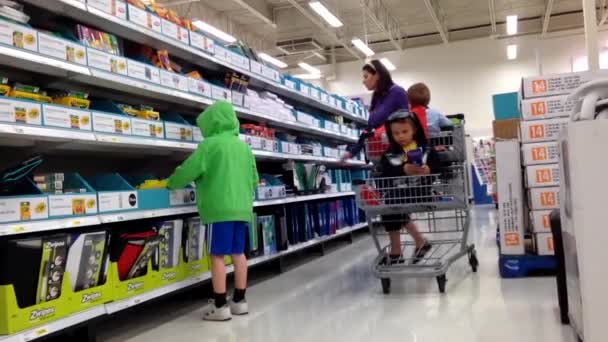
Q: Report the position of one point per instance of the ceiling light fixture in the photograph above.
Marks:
(325, 14)
(214, 31)
(390, 66)
(268, 58)
(511, 25)
(309, 68)
(359, 44)
(512, 52)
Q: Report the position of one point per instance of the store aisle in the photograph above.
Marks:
(335, 298)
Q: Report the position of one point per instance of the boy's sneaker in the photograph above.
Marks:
(218, 314)
(421, 252)
(240, 308)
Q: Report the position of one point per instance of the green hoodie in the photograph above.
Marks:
(223, 168)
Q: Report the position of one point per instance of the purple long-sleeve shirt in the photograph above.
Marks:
(394, 100)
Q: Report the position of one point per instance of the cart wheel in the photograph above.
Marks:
(441, 280)
(473, 261)
(386, 285)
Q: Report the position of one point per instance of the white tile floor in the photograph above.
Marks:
(335, 298)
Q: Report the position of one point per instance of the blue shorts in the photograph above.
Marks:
(227, 238)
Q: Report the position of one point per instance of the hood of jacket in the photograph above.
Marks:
(217, 119)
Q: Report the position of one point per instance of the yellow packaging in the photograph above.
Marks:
(30, 96)
(149, 114)
(71, 101)
(4, 89)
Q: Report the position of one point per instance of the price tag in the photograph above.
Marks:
(19, 130)
(19, 229)
(39, 332)
(75, 223)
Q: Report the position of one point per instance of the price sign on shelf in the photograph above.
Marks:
(37, 333)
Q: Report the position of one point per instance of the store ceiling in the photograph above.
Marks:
(264, 23)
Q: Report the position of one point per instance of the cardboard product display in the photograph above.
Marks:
(544, 244)
(540, 153)
(544, 198)
(542, 130)
(540, 221)
(546, 107)
(170, 243)
(506, 129)
(542, 175)
(86, 260)
(268, 234)
(556, 84)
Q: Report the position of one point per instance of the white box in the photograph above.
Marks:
(556, 84)
(199, 87)
(147, 128)
(143, 71)
(176, 131)
(544, 198)
(304, 89)
(24, 208)
(305, 118)
(544, 244)
(333, 102)
(541, 222)
(325, 98)
(173, 80)
(221, 93)
(238, 98)
(197, 135)
(20, 112)
(254, 142)
(66, 117)
(182, 197)
(542, 130)
(270, 145)
(106, 61)
(175, 31)
(144, 18)
(315, 93)
(202, 42)
(62, 49)
(271, 73)
(18, 36)
(510, 197)
(221, 53)
(542, 175)
(256, 67)
(111, 123)
(117, 200)
(330, 152)
(540, 153)
(72, 204)
(290, 84)
(317, 151)
(546, 107)
(113, 7)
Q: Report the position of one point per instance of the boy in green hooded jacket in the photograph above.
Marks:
(224, 170)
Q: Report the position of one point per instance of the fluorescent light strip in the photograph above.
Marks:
(325, 14)
(390, 66)
(268, 58)
(512, 52)
(309, 68)
(214, 31)
(359, 44)
(511, 25)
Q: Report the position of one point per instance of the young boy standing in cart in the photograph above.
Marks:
(224, 170)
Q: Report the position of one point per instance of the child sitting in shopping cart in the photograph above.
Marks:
(404, 157)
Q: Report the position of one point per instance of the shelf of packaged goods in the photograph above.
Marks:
(295, 199)
(140, 34)
(304, 157)
(91, 76)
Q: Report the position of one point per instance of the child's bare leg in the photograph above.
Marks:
(395, 238)
(218, 272)
(240, 276)
(412, 228)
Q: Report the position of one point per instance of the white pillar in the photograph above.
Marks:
(590, 17)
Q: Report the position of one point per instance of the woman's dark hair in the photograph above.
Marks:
(404, 116)
(385, 81)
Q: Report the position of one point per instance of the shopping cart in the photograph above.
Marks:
(438, 204)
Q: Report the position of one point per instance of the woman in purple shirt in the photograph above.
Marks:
(386, 99)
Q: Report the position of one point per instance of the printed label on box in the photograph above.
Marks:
(556, 84)
(317, 151)
(546, 108)
(197, 135)
(199, 87)
(541, 221)
(325, 98)
(66, 117)
(106, 61)
(20, 112)
(221, 53)
(253, 141)
(542, 130)
(113, 7)
(540, 153)
(220, 93)
(304, 89)
(173, 80)
(107, 123)
(510, 197)
(290, 84)
(285, 147)
(69, 205)
(544, 198)
(175, 131)
(315, 93)
(182, 197)
(147, 128)
(271, 73)
(23, 208)
(18, 36)
(202, 42)
(238, 99)
(544, 244)
(143, 71)
(175, 31)
(118, 200)
(144, 18)
(542, 175)
(61, 49)
(256, 67)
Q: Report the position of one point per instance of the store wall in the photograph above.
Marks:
(464, 75)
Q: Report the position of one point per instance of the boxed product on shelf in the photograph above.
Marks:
(98, 40)
(555, 84)
(315, 92)
(510, 197)
(29, 92)
(305, 118)
(175, 31)
(268, 234)
(324, 96)
(144, 18)
(541, 130)
(330, 152)
(111, 123)
(221, 52)
(200, 87)
(541, 222)
(197, 134)
(221, 93)
(153, 194)
(289, 82)
(542, 175)
(53, 46)
(116, 8)
(139, 126)
(546, 107)
(271, 73)
(66, 117)
(18, 36)
(253, 141)
(202, 42)
(304, 88)
(142, 71)
(20, 111)
(540, 153)
(107, 62)
(114, 193)
(5, 88)
(72, 98)
(194, 250)
(75, 197)
(544, 198)
(176, 128)
(169, 252)
(173, 80)
(270, 187)
(544, 244)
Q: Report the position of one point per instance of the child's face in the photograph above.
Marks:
(403, 132)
